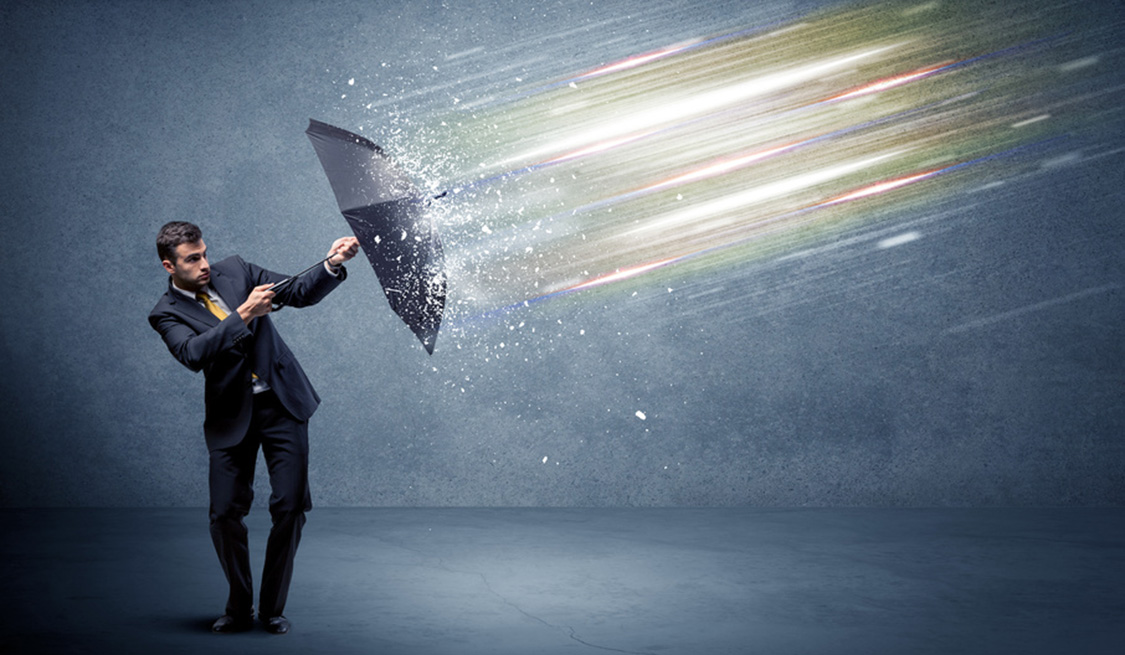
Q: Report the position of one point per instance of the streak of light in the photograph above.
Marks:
(762, 193)
(703, 103)
(863, 192)
(592, 149)
(721, 167)
(880, 187)
(618, 275)
(898, 240)
(889, 83)
(639, 60)
(1031, 121)
(996, 318)
(727, 165)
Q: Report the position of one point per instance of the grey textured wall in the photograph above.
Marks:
(980, 365)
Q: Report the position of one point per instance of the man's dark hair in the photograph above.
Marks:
(172, 235)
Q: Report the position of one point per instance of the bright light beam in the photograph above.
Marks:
(678, 221)
(701, 103)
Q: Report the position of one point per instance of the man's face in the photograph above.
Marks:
(190, 271)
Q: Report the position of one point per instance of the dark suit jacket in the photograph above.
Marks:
(229, 351)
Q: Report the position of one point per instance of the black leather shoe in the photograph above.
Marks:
(228, 623)
(277, 625)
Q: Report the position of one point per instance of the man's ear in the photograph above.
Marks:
(168, 266)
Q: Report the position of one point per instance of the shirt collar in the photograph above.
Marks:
(188, 294)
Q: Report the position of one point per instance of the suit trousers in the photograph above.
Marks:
(285, 443)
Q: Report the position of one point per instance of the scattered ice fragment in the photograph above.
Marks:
(641, 415)
(544, 459)
(351, 82)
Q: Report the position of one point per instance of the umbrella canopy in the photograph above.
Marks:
(387, 214)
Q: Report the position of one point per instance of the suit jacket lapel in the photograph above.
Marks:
(189, 307)
(226, 288)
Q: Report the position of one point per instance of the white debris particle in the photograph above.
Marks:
(351, 82)
(573, 85)
(582, 332)
(486, 229)
(544, 459)
(641, 415)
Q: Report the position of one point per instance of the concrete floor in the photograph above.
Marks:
(540, 581)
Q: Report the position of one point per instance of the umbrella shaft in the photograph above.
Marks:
(294, 277)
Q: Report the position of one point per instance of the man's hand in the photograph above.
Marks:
(258, 304)
(342, 250)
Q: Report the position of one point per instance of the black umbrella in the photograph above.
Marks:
(387, 213)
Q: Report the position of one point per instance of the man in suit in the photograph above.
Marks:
(214, 318)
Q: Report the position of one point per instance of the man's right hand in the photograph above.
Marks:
(258, 304)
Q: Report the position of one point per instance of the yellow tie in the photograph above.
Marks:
(211, 306)
(216, 310)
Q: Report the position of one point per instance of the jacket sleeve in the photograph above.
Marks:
(197, 349)
(306, 290)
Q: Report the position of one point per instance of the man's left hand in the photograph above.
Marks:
(342, 250)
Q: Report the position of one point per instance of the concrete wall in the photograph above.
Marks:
(979, 367)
